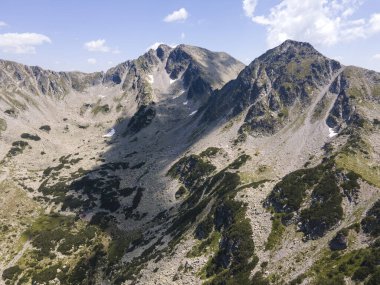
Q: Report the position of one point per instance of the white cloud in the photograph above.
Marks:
(326, 22)
(100, 46)
(249, 7)
(179, 15)
(97, 45)
(157, 44)
(22, 42)
(154, 46)
(183, 36)
(376, 56)
(375, 22)
(3, 24)
(338, 57)
(91, 61)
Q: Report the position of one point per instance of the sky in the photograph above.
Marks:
(94, 35)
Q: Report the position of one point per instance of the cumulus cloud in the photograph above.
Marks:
(249, 7)
(176, 16)
(326, 22)
(22, 42)
(157, 44)
(97, 45)
(376, 56)
(3, 24)
(375, 23)
(91, 61)
(154, 46)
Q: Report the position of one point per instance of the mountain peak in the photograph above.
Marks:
(291, 48)
(293, 43)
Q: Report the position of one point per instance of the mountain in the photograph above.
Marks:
(273, 85)
(184, 166)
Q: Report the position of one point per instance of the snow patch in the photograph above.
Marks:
(179, 94)
(150, 79)
(332, 133)
(185, 103)
(110, 133)
(171, 81)
(193, 113)
(102, 96)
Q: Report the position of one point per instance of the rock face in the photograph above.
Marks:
(272, 86)
(354, 84)
(185, 167)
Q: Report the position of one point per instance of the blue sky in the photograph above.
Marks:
(93, 35)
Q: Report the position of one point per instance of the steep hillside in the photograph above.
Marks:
(184, 167)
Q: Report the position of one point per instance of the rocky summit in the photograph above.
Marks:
(184, 166)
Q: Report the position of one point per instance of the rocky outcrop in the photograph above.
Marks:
(141, 119)
(353, 86)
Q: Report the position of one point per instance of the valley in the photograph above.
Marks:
(184, 166)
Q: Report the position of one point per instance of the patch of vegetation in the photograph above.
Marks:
(104, 109)
(235, 257)
(119, 244)
(186, 218)
(206, 246)
(182, 191)
(11, 273)
(135, 203)
(239, 162)
(119, 107)
(325, 209)
(109, 201)
(45, 128)
(3, 125)
(339, 242)
(242, 136)
(191, 171)
(11, 112)
(204, 228)
(30, 137)
(371, 222)
(83, 126)
(45, 275)
(298, 280)
(18, 147)
(320, 109)
(288, 195)
(210, 152)
(361, 166)
(259, 279)
(84, 271)
(276, 233)
(351, 186)
(359, 265)
(87, 251)
(83, 109)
